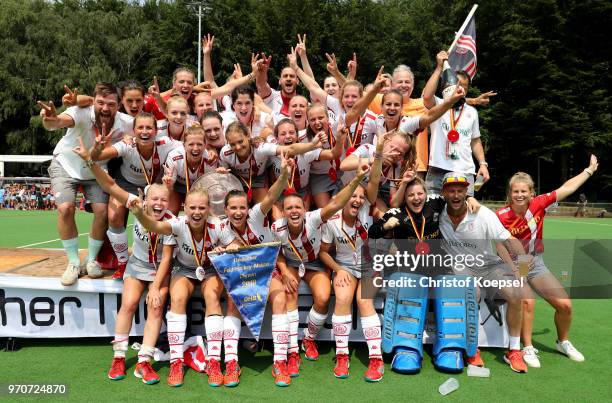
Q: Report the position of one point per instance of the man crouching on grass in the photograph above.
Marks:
(471, 234)
(68, 171)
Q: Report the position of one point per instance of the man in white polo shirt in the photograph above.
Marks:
(68, 171)
(471, 236)
(455, 137)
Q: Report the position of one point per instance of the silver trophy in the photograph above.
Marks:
(217, 185)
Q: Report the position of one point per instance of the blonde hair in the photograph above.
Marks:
(409, 157)
(519, 177)
(194, 130)
(176, 99)
(199, 192)
(154, 186)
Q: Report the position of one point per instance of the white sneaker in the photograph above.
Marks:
(568, 349)
(94, 270)
(71, 275)
(530, 356)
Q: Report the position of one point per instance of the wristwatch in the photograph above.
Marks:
(89, 163)
(485, 163)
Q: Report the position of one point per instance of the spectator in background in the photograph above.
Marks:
(582, 203)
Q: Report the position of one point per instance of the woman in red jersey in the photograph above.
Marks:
(524, 218)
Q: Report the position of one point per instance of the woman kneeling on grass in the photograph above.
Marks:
(140, 273)
(524, 218)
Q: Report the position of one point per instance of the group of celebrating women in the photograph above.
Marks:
(318, 171)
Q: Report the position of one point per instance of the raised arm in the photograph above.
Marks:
(338, 201)
(574, 183)
(299, 148)
(352, 67)
(51, 120)
(361, 105)
(335, 152)
(434, 113)
(287, 166)
(154, 92)
(301, 51)
(376, 171)
(228, 87)
(150, 223)
(261, 78)
(317, 93)
(207, 71)
(106, 182)
(332, 68)
(429, 92)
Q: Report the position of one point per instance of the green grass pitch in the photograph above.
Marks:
(81, 364)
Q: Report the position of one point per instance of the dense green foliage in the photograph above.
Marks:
(549, 60)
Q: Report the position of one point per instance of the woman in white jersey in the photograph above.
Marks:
(186, 164)
(141, 165)
(248, 162)
(339, 106)
(243, 110)
(286, 133)
(300, 235)
(196, 234)
(141, 274)
(346, 232)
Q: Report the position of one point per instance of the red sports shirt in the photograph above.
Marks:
(528, 228)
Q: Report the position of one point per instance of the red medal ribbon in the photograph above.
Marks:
(199, 257)
(421, 248)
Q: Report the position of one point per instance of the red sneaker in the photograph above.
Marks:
(375, 371)
(232, 374)
(342, 366)
(118, 274)
(309, 347)
(145, 371)
(176, 375)
(515, 359)
(476, 360)
(280, 374)
(293, 364)
(215, 376)
(117, 370)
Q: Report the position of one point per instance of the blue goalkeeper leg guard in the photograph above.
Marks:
(404, 321)
(456, 322)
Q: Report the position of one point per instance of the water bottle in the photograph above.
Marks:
(449, 386)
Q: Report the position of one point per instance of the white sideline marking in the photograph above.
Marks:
(55, 240)
(580, 222)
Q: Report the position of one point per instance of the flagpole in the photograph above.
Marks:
(458, 35)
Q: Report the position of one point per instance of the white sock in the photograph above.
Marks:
(515, 342)
(294, 325)
(71, 246)
(177, 323)
(145, 353)
(342, 329)
(119, 240)
(371, 331)
(315, 322)
(120, 345)
(214, 336)
(231, 334)
(280, 336)
(93, 247)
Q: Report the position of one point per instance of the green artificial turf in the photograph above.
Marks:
(82, 364)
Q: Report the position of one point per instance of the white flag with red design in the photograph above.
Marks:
(194, 355)
(463, 55)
